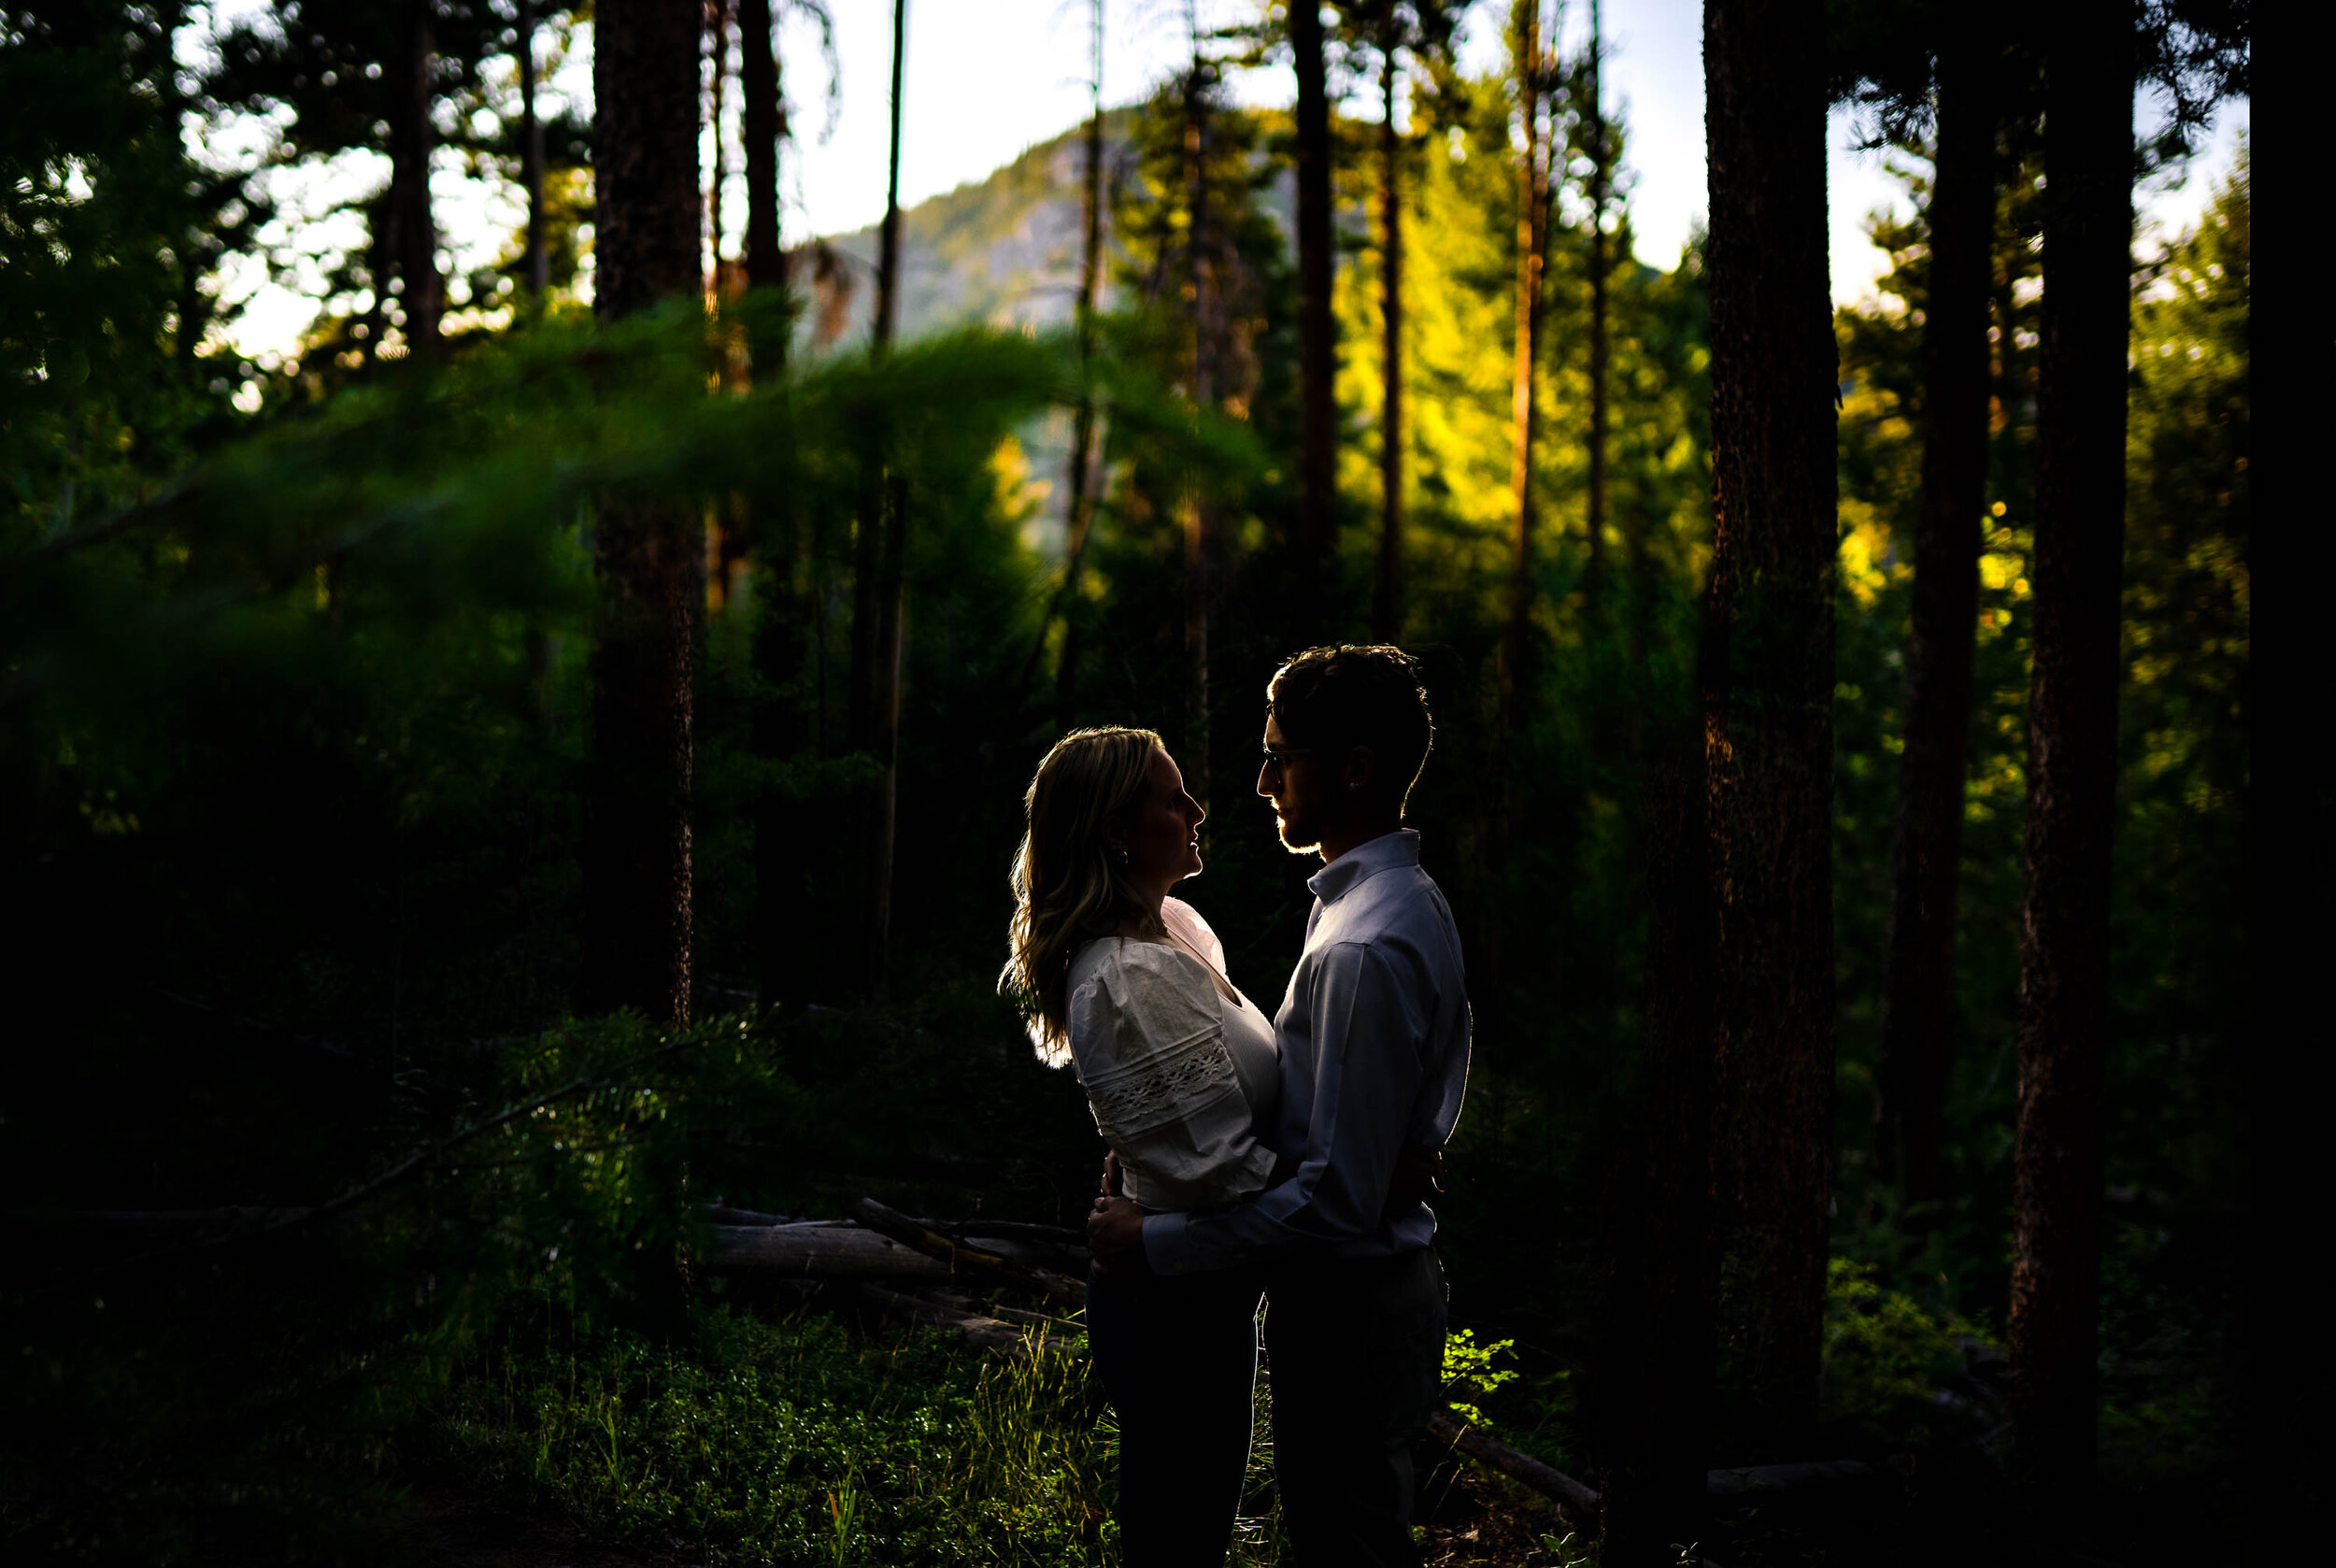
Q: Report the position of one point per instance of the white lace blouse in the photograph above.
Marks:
(1184, 1083)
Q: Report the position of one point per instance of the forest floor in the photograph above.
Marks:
(1473, 1522)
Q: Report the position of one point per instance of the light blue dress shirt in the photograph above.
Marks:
(1374, 1040)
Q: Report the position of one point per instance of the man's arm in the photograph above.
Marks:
(1369, 1016)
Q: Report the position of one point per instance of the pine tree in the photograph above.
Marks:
(1918, 998)
(647, 552)
(2073, 711)
(1768, 692)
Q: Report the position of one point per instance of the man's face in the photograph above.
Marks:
(1294, 779)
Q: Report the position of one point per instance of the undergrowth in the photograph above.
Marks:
(800, 1441)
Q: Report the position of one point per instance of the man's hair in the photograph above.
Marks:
(1331, 699)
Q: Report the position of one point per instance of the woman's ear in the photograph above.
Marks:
(1115, 836)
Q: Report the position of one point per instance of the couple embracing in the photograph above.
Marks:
(1286, 1157)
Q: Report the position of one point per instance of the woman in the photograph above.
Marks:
(1129, 985)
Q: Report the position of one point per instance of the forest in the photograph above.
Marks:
(506, 807)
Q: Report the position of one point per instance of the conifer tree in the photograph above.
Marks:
(636, 849)
(1317, 351)
(2072, 777)
(1768, 692)
(1918, 996)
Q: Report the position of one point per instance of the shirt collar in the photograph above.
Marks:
(1367, 858)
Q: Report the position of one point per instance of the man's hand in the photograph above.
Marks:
(1419, 1177)
(1113, 1185)
(1114, 1235)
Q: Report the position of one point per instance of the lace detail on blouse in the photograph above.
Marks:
(1147, 1035)
(1133, 1100)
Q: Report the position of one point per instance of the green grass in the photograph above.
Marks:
(801, 1441)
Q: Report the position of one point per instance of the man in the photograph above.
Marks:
(1374, 1042)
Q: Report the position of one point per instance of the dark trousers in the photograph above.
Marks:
(1178, 1359)
(1358, 1359)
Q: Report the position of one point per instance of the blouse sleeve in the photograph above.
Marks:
(1148, 1037)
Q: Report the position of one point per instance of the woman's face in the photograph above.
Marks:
(1163, 842)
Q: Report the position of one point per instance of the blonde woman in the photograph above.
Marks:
(1128, 985)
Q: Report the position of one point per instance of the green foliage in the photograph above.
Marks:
(796, 1442)
(1471, 1372)
(1895, 1374)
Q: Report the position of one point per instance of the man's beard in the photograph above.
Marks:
(1299, 838)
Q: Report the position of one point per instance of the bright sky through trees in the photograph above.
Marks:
(988, 79)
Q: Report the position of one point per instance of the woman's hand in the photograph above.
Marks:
(1114, 1235)
(1113, 1185)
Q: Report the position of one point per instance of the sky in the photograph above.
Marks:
(986, 79)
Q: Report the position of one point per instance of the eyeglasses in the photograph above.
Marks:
(1276, 758)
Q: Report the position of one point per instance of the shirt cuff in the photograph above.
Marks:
(1164, 1246)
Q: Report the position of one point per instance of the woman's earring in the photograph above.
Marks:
(1122, 852)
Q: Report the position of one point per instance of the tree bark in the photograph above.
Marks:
(532, 154)
(718, 58)
(1080, 517)
(1199, 523)
(2072, 736)
(1919, 994)
(415, 249)
(1768, 711)
(772, 533)
(891, 598)
(1594, 531)
(636, 916)
(1387, 603)
(1532, 238)
(1318, 411)
(1651, 1386)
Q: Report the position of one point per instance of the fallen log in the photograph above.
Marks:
(817, 1251)
(988, 1333)
(968, 1261)
(1577, 1503)
(1766, 1480)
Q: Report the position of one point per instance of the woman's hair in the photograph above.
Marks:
(1068, 889)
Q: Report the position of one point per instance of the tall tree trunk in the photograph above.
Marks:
(1768, 709)
(647, 552)
(891, 599)
(1600, 166)
(532, 154)
(718, 52)
(1651, 1391)
(773, 534)
(2072, 738)
(1317, 410)
(1919, 994)
(1080, 518)
(1199, 522)
(1387, 602)
(1533, 240)
(422, 292)
(762, 125)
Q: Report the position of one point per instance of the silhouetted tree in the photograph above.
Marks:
(1651, 1392)
(637, 861)
(1390, 30)
(1318, 347)
(1767, 708)
(1079, 515)
(1532, 71)
(1600, 152)
(1918, 1003)
(772, 529)
(2072, 776)
(538, 260)
(884, 526)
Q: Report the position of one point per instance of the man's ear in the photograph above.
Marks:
(1362, 770)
